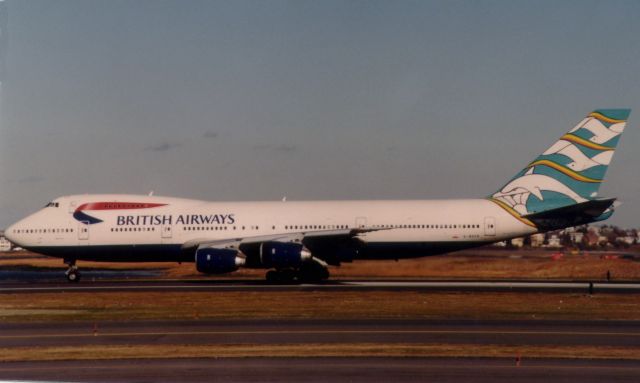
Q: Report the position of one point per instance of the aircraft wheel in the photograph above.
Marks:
(273, 276)
(73, 276)
(287, 276)
(312, 273)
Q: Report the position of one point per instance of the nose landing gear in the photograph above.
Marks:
(72, 273)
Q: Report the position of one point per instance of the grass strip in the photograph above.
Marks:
(137, 305)
(308, 350)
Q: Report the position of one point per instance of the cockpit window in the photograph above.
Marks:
(53, 204)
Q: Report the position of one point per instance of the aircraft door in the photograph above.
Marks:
(83, 231)
(167, 232)
(489, 226)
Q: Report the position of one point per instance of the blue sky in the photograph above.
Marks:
(254, 100)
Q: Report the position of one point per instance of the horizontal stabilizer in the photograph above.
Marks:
(572, 215)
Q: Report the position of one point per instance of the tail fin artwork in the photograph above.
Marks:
(569, 173)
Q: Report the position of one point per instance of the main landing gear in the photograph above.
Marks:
(310, 272)
(72, 273)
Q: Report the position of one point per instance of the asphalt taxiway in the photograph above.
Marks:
(341, 285)
(312, 370)
(296, 331)
(322, 369)
(273, 332)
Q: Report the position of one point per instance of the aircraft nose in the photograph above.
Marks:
(11, 235)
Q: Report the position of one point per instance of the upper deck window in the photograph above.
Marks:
(53, 204)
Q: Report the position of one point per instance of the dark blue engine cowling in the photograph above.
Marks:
(217, 261)
(283, 254)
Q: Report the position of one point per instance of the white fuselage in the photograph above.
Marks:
(73, 226)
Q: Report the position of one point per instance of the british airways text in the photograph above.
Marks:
(182, 219)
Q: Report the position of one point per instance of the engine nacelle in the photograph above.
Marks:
(283, 254)
(218, 261)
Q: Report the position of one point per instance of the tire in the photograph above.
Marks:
(73, 276)
(288, 276)
(273, 276)
(312, 273)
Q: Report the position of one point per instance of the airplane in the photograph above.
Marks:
(297, 241)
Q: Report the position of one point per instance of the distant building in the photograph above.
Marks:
(603, 241)
(625, 241)
(517, 242)
(554, 241)
(583, 237)
(576, 237)
(537, 240)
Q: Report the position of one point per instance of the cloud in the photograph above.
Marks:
(29, 180)
(282, 148)
(210, 134)
(285, 148)
(162, 146)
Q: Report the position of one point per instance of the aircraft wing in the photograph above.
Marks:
(331, 246)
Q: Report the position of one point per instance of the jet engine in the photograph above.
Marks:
(283, 254)
(218, 261)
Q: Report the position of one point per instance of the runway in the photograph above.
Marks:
(343, 285)
(312, 370)
(473, 338)
(288, 331)
(468, 334)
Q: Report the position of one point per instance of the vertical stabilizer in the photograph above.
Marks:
(570, 171)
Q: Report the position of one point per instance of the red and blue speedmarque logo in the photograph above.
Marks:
(80, 215)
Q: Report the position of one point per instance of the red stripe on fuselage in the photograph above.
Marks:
(118, 205)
